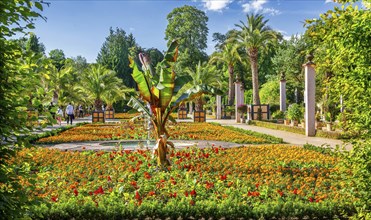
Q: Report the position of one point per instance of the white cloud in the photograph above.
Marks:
(132, 29)
(258, 6)
(329, 1)
(216, 5)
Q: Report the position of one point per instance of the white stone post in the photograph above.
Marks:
(310, 101)
(283, 95)
(190, 107)
(237, 90)
(218, 107)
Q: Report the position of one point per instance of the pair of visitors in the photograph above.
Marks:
(69, 112)
(59, 115)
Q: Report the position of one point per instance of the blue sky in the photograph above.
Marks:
(80, 27)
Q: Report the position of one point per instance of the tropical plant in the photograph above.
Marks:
(159, 90)
(230, 56)
(203, 78)
(97, 82)
(254, 36)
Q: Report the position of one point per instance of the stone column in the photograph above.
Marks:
(190, 107)
(218, 107)
(283, 95)
(237, 90)
(310, 101)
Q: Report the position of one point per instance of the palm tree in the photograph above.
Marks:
(253, 36)
(230, 56)
(97, 82)
(203, 78)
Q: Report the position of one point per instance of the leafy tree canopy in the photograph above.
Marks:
(114, 54)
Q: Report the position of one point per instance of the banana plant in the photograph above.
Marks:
(158, 97)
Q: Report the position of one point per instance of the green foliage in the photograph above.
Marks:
(270, 92)
(278, 115)
(189, 26)
(295, 112)
(99, 83)
(15, 77)
(114, 54)
(58, 58)
(342, 48)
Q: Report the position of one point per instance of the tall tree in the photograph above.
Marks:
(288, 61)
(253, 36)
(114, 54)
(34, 45)
(57, 56)
(189, 25)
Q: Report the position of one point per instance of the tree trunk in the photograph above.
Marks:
(230, 84)
(253, 52)
(98, 105)
(199, 105)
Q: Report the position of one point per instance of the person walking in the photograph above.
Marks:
(59, 115)
(81, 113)
(69, 112)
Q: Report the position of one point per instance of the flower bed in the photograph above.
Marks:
(249, 182)
(183, 131)
(125, 115)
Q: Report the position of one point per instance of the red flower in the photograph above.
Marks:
(209, 185)
(253, 194)
(75, 192)
(193, 193)
(54, 198)
(99, 191)
(137, 195)
(257, 186)
(109, 179)
(172, 180)
(147, 175)
(280, 192)
(295, 191)
(192, 202)
(186, 193)
(173, 195)
(134, 184)
(223, 177)
(311, 199)
(151, 193)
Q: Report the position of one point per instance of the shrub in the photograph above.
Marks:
(278, 115)
(295, 112)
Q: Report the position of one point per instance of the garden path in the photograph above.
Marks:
(288, 137)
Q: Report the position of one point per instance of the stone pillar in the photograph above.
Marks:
(218, 107)
(237, 89)
(190, 107)
(310, 101)
(283, 95)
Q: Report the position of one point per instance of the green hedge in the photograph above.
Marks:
(298, 130)
(115, 207)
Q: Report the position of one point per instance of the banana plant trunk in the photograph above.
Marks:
(161, 135)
